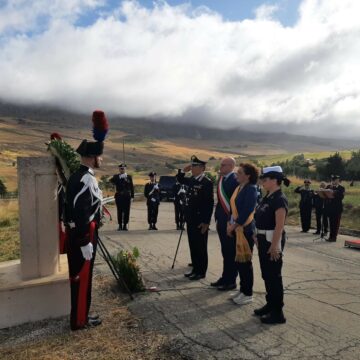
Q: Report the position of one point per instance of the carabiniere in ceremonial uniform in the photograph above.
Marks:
(198, 211)
(82, 218)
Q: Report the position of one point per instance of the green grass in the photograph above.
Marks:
(270, 159)
(9, 231)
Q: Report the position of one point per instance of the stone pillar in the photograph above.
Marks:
(38, 212)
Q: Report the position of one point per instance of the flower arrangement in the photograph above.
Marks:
(125, 263)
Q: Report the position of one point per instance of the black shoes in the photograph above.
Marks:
(226, 287)
(125, 227)
(119, 228)
(93, 317)
(196, 277)
(92, 322)
(262, 311)
(188, 274)
(331, 239)
(316, 233)
(217, 283)
(154, 227)
(273, 318)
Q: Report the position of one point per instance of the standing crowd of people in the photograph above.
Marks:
(327, 202)
(243, 219)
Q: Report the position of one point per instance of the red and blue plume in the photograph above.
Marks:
(100, 125)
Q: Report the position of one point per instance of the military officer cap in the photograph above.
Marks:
(122, 166)
(334, 177)
(195, 161)
(152, 173)
(272, 172)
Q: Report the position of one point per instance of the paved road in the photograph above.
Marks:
(322, 297)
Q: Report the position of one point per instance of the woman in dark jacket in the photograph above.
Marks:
(242, 226)
(270, 218)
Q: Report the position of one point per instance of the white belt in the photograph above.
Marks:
(264, 232)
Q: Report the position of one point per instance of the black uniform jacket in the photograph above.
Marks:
(83, 202)
(124, 186)
(149, 194)
(200, 194)
(335, 204)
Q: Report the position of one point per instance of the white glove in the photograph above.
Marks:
(156, 187)
(153, 200)
(87, 251)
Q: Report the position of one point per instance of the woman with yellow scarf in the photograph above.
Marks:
(242, 226)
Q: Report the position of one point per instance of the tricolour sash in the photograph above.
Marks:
(222, 196)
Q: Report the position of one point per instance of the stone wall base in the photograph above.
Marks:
(32, 300)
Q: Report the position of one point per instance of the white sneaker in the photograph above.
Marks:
(242, 299)
(233, 295)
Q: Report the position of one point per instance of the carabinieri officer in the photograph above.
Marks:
(198, 211)
(124, 194)
(270, 218)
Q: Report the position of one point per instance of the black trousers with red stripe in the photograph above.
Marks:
(80, 272)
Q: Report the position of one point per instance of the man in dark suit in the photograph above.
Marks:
(198, 211)
(334, 206)
(124, 193)
(225, 188)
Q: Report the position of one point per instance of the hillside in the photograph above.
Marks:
(149, 144)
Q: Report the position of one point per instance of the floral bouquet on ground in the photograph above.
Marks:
(126, 266)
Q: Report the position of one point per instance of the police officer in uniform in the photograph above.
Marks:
(124, 193)
(82, 216)
(179, 205)
(270, 218)
(198, 211)
(152, 194)
(321, 216)
(334, 206)
(306, 204)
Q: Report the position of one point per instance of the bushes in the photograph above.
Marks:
(125, 263)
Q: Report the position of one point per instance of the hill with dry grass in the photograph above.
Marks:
(149, 144)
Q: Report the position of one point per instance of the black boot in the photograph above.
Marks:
(274, 317)
(262, 311)
(154, 227)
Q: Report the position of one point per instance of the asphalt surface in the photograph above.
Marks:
(322, 296)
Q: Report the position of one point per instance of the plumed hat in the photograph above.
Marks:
(100, 130)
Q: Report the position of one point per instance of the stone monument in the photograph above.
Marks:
(36, 287)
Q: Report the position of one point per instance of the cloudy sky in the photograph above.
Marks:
(291, 65)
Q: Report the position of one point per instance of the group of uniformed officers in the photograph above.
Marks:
(327, 201)
(242, 221)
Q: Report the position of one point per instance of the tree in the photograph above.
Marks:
(3, 190)
(335, 165)
(353, 166)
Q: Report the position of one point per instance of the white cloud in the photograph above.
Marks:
(188, 63)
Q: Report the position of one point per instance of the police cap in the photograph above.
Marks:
(195, 161)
